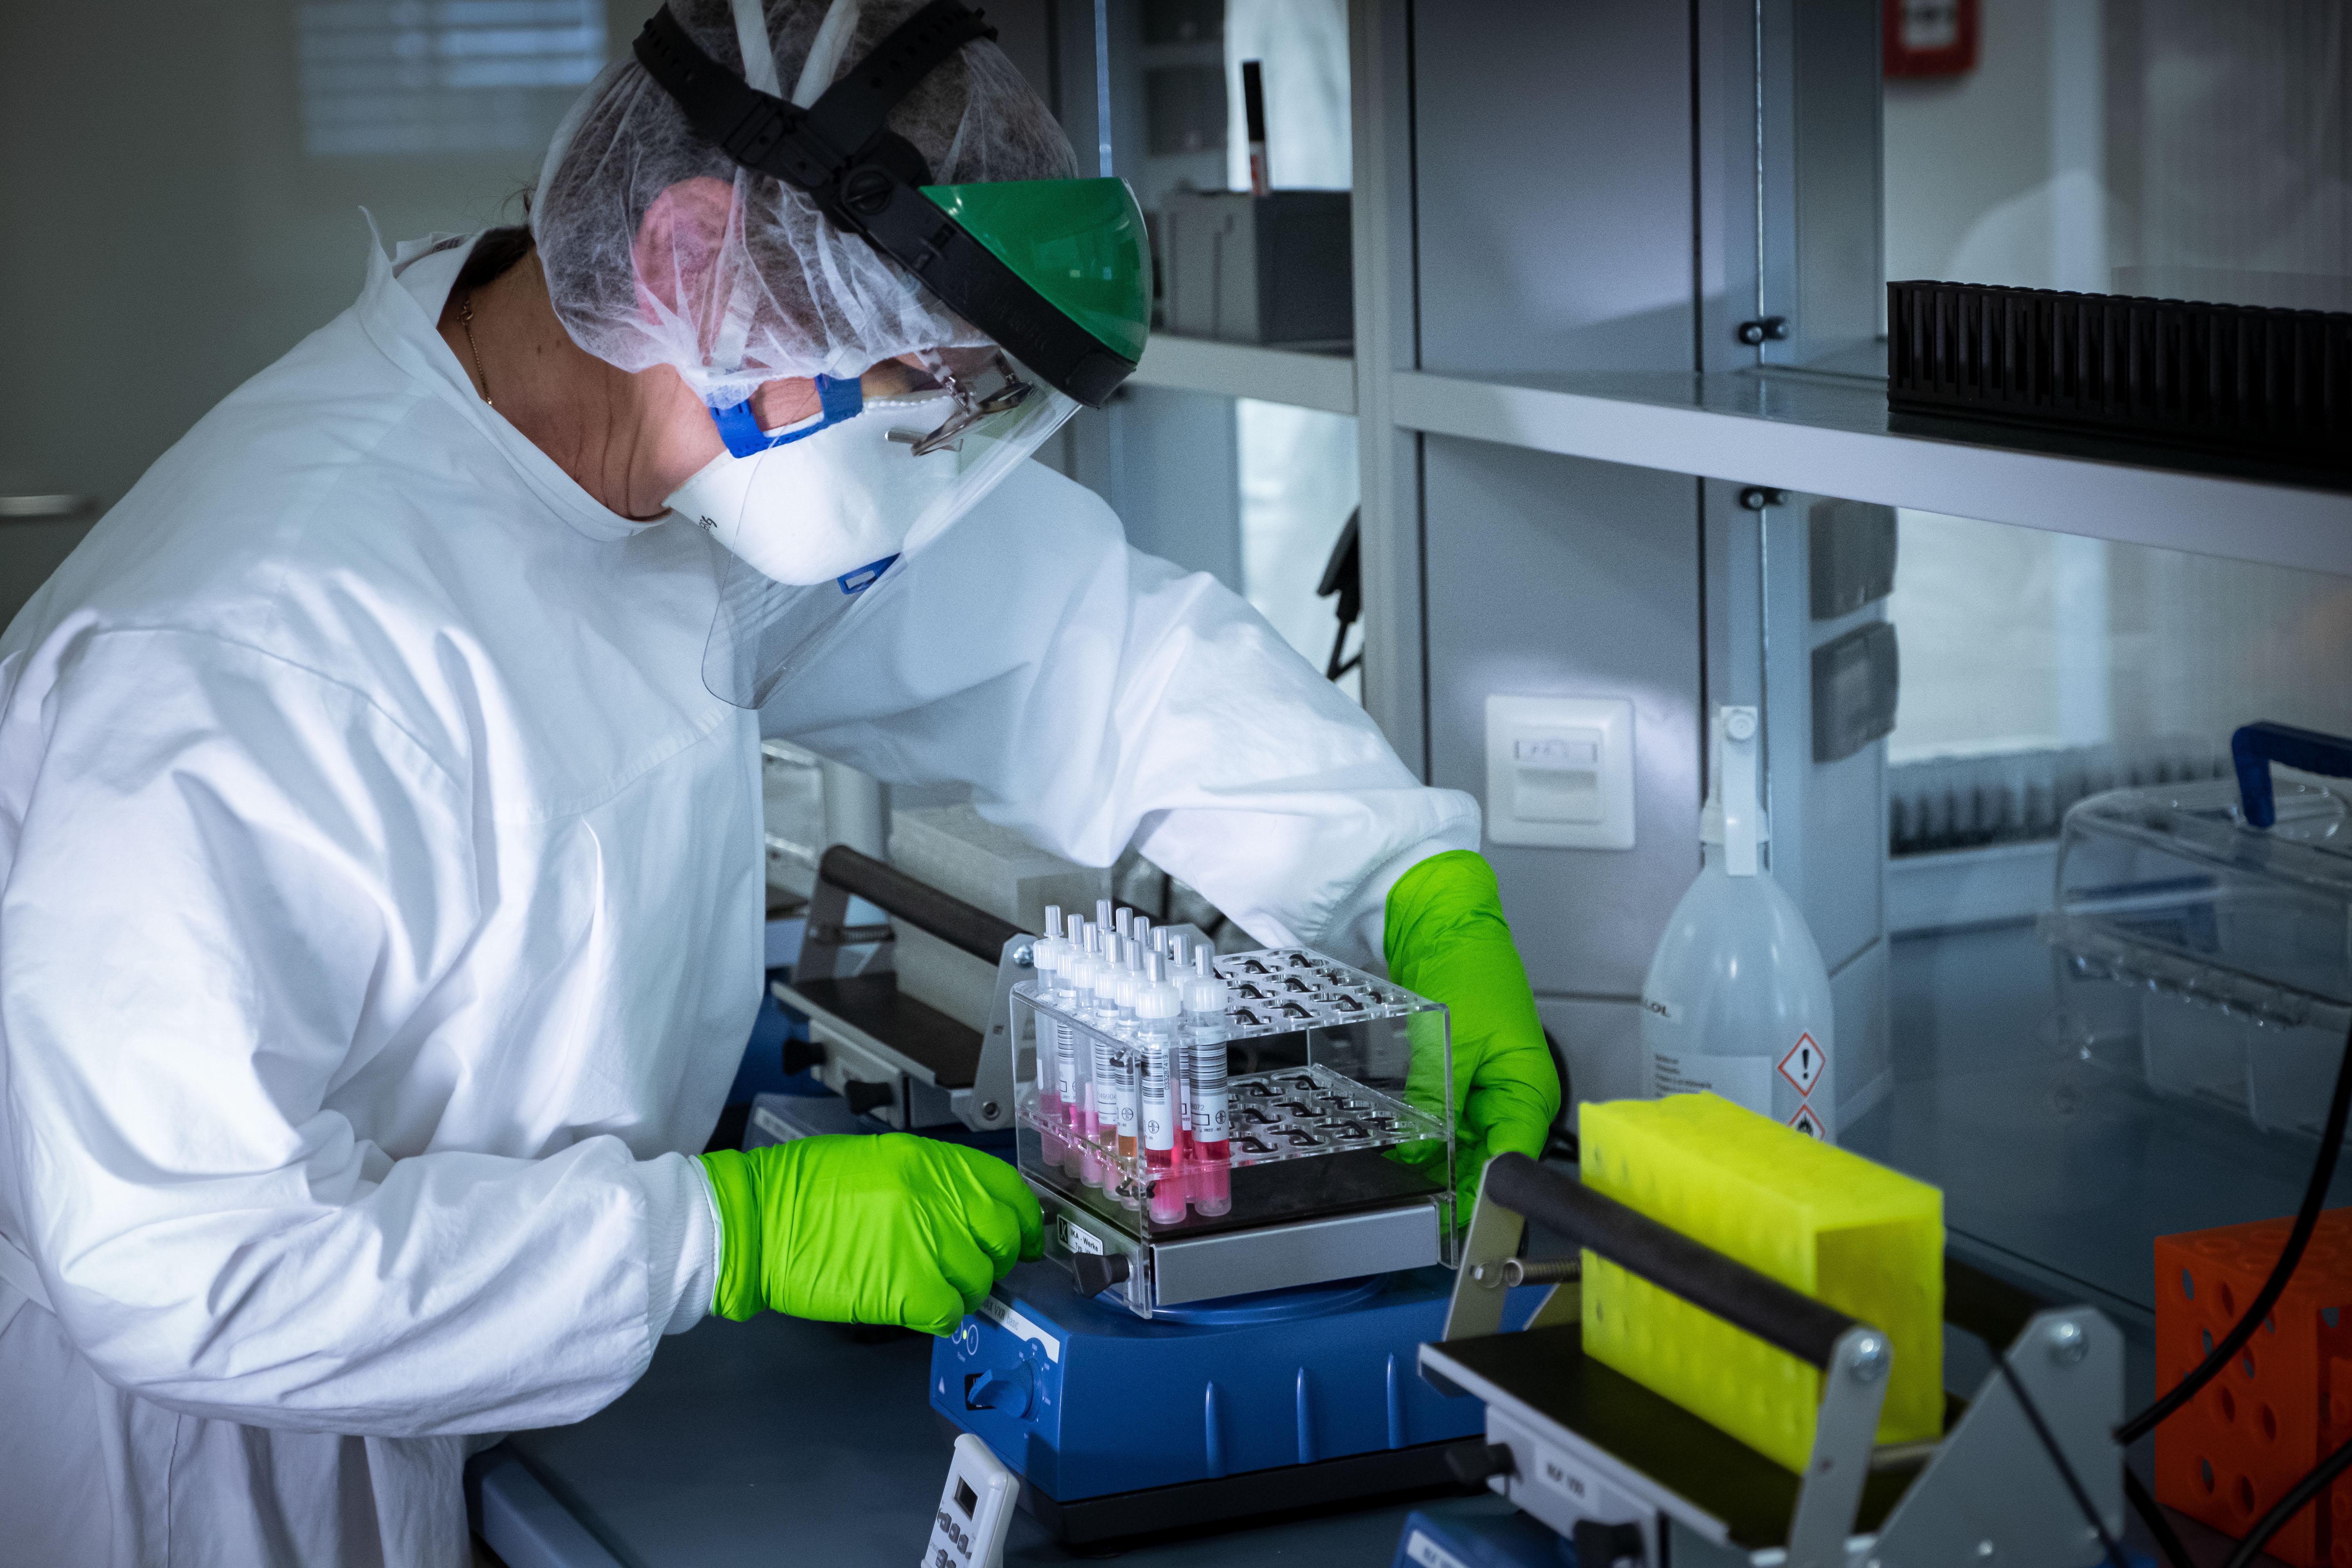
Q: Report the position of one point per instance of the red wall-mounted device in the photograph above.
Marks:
(1930, 37)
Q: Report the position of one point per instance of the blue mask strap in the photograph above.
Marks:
(857, 582)
(838, 399)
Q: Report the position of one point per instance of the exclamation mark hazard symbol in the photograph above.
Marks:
(1804, 1064)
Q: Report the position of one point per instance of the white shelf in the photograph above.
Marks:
(1327, 382)
(1830, 437)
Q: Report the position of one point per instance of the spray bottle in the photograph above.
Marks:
(1738, 1000)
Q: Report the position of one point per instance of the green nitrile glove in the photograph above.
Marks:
(1447, 940)
(885, 1228)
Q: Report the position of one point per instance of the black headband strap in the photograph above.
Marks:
(863, 177)
(851, 113)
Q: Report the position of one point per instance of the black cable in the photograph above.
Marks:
(2315, 1196)
(2058, 1458)
(2168, 1540)
(2297, 1497)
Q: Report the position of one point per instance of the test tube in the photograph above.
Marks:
(1098, 1004)
(1109, 1024)
(1158, 1008)
(1050, 955)
(1181, 1066)
(1124, 1064)
(1204, 1039)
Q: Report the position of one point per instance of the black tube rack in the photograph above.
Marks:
(2241, 381)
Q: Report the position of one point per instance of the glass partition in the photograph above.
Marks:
(2163, 148)
(2154, 147)
(2113, 1004)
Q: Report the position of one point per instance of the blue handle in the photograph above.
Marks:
(2256, 746)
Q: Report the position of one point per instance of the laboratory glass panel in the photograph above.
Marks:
(2116, 1008)
(2160, 148)
(2169, 148)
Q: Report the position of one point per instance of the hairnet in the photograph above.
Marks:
(661, 249)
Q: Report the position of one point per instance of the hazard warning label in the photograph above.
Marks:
(1806, 1122)
(1803, 1064)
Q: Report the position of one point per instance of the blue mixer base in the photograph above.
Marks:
(1088, 1402)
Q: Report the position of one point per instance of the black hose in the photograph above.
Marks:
(2297, 1497)
(2168, 1540)
(2058, 1458)
(2315, 1197)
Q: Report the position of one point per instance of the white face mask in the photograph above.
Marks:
(820, 508)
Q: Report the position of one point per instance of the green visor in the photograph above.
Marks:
(1078, 243)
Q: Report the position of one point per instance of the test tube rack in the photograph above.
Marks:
(1332, 1088)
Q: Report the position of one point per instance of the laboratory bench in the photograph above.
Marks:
(783, 1441)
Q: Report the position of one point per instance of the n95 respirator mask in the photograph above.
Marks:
(844, 497)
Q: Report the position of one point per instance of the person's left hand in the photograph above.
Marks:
(1446, 939)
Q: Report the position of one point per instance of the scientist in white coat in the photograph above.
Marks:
(380, 889)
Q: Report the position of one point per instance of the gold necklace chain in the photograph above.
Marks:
(466, 317)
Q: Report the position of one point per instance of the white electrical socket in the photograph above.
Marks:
(1559, 771)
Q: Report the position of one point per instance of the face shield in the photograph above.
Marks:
(1042, 286)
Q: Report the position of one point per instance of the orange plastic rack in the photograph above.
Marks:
(2285, 1405)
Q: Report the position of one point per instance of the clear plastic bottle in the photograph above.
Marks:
(1738, 999)
(1205, 1033)
(1158, 1007)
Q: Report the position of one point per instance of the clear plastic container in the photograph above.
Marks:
(2205, 954)
(1334, 1090)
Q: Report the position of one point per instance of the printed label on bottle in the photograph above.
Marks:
(1210, 1108)
(1804, 1064)
(1664, 1009)
(1156, 1110)
(1743, 1081)
(1102, 1087)
(1066, 1062)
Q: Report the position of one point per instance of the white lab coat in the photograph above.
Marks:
(380, 901)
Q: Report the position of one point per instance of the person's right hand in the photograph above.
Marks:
(881, 1228)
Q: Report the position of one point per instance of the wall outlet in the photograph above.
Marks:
(1559, 771)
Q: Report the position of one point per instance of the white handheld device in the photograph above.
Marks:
(975, 1509)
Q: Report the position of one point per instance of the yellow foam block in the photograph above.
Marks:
(1829, 1223)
